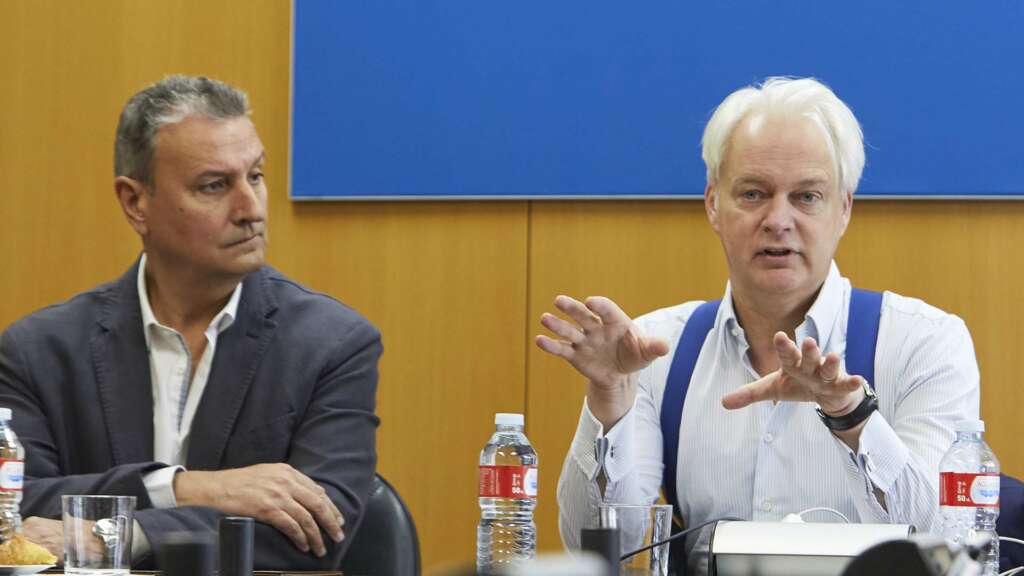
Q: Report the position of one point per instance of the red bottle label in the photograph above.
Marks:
(970, 490)
(508, 482)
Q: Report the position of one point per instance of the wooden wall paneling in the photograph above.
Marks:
(67, 69)
(446, 284)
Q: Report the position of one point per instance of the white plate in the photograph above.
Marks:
(8, 570)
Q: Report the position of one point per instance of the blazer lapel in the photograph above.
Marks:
(237, 357)
(122, 373)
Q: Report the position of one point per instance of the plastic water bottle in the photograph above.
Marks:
(969, 491)
(12, 470)
(506, 534)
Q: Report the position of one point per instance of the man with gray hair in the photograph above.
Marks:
(202, 382)
(772, 422)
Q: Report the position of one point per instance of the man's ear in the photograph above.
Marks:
(134, 200)
(847, 209)
(711, 206)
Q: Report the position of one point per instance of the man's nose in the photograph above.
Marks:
(250, 203)
(779, 215)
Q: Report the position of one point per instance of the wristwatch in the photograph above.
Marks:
(109, 529)
(839, 423)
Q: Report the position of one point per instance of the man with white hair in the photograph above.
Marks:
(772, 423)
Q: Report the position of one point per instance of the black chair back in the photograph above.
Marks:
(1010, 522)
(386, 543)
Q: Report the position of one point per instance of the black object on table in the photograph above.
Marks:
(605, 543)
(186, 554)
(236, 542)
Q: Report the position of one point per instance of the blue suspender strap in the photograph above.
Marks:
(862, 333)
(683, 362)
(861, 341)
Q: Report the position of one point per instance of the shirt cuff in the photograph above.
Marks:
(160, 486)
(619, 436)
(140, 542)
(861, 469)
(882, 452)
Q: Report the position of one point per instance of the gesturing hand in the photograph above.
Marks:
(604, 345)
(804, 376)
(275, 494)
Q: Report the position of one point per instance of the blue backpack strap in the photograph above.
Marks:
(862, 333)
(683, 361)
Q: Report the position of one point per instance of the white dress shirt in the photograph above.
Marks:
(768, 460)
(175, 398)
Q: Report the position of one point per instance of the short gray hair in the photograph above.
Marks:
(168, 101)
(805, 97)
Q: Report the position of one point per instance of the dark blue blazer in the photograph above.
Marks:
(293, 380)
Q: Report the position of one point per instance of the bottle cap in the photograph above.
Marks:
(505, 419)
(970, 426)
(5, 413)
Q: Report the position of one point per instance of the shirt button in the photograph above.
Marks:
(736, 332)
(768, 438)
(766, 505)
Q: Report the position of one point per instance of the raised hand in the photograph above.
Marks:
(804, 376)
(601, 343)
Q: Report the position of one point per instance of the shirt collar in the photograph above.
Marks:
(220, 322)
(726, 311)
(820, 318)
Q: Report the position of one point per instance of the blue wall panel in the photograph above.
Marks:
(578, 98)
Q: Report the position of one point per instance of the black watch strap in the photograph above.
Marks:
(839, 423)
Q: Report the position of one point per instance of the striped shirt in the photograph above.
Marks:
(768, 460)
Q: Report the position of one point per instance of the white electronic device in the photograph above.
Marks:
(793, 548)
